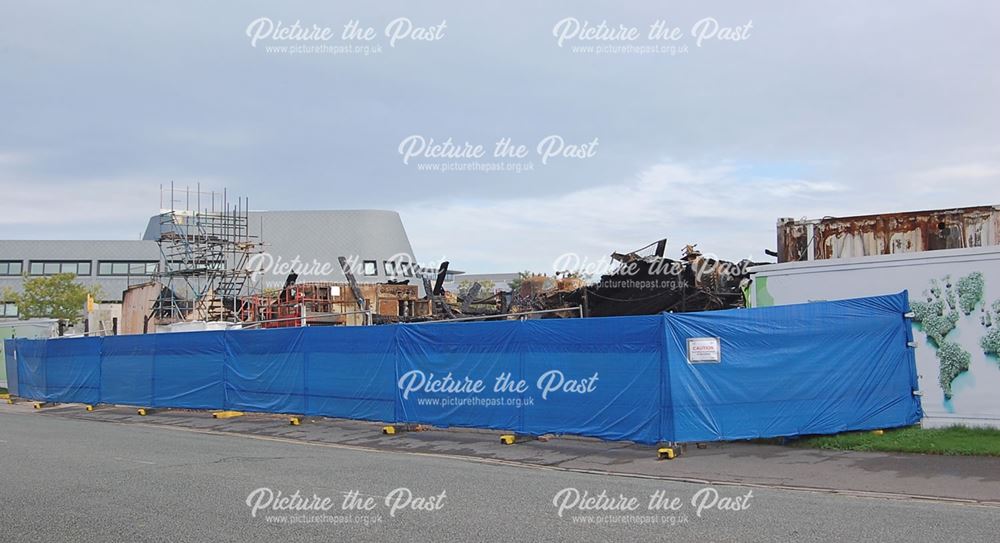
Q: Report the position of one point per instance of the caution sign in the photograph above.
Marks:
(704, 350)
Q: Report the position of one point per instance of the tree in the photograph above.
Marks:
(515, 283)
(55, 297)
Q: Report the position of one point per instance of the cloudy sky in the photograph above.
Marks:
(808, 109)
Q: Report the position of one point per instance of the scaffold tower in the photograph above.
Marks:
(205, 248)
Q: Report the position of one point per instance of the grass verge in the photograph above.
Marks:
(953, 440)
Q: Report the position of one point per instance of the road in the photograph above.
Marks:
(79, 480)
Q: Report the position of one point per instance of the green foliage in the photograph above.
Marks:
(939, 316)
(936, 322)
(991, 341)
(970, 291)
(573, 275)
(55, 297)
(939, 326)
(991, 320)
(954, 440)
(925, 310)
(953, 361)
(515, 284)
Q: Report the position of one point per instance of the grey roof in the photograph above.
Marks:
(308, 242)
(315, 239)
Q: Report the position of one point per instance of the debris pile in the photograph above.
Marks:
(650, 284)
(644, 282)
(641, 284)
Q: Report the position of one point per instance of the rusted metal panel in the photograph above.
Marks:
(889, 233)
(136, 304)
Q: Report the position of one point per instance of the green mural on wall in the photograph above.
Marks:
(990, 320)
(938, 313)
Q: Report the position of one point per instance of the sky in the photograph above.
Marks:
(735, 114)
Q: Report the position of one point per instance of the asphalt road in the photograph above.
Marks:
(975, 478)
(79, 480)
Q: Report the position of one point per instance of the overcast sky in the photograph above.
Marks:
(819, 108)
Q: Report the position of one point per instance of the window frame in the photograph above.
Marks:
(6, 264)
(129, 265)
(364, 268)
(3, 310)
(61, 265)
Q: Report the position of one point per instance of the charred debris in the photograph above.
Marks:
(642, 282)
(646, 282)
(206, 276)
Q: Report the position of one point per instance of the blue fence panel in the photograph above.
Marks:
(265, 370)
(593, 377)
(802, 369)
(73, 371)
(31, 369)
(350, 372)
(448, 372)
(126, 369)
(813, 368)
(188, 370)
(10, 361)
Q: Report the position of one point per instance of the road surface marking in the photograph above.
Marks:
(131, 460)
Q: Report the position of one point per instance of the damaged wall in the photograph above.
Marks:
(889, 233)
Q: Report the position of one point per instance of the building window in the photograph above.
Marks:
(195, 263)
(370, 267)
(127, 268)
(10, 267)
(390, 268)
(53, 267)
(8, 309)
(407, 269)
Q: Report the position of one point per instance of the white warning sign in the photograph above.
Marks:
(704, 350)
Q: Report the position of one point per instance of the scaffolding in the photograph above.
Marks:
(204, 251)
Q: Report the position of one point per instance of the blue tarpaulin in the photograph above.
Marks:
(814, 368)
